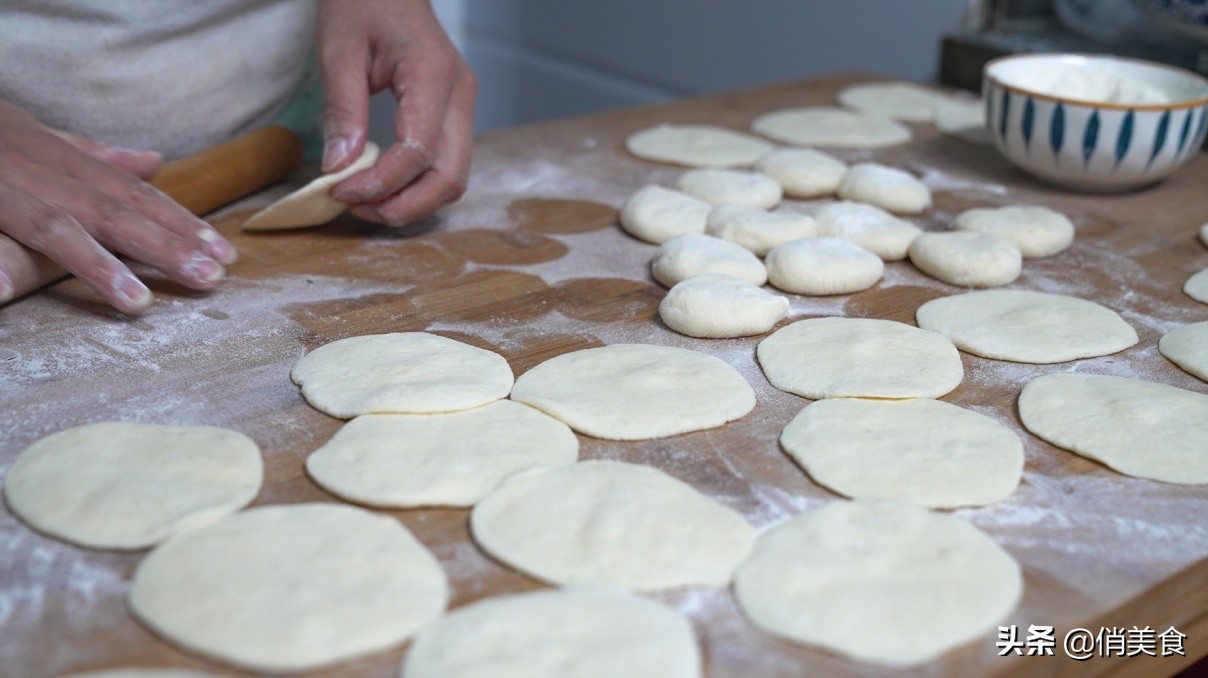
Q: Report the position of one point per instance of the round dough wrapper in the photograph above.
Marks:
(898, 100)
(1136, 427)
(1187, 347)
(611, 523)
(636, 391)
(868, 226)
(758, 230)
(830, 127)
(731, 187)
(400, 373)
(721, 307)
(311, 205)
(697, 146)
(920, 451)
(1196, 286)
(803, 172)
(823, 265)
(454, 459)
(1027, 327)
(118, 485)
(878, 581)
(859, 357)
(964, 119)
(290, 587)
(586, 631)
(684, 256)
(1036, 231)
(656, 214)
(967, 259)
(886, 187)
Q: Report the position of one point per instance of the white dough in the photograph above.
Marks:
(697, 146)
(1027, 327)
(636, 391)
(1187, 347)
(1037, 231)
(731, 187)
(758, 230)
(611, 523)
(656, 214)
(898, 100)
(454, 459)
(400, 373)
(585, 632)
(684, 256)
(803, 172)
(830, 127)
(1137, 427)
(879, 581)
(825, 265)
(886, 187)
(118, 485)
(721, 306)
(924, 452)
(290, 587)
(967, 259)
(868, 226)
(140, 672)
(964, 119)
(311, 205)
(1196, 286)
(859, 357)
(1204, 234)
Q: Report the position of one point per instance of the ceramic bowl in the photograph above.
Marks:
(1094, 123)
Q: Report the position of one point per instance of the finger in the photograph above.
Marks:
(345, 103)
(141, 164)
(23, 270)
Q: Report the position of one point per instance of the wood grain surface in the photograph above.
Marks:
(531, 264)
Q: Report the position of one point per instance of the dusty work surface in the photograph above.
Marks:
(531, 264)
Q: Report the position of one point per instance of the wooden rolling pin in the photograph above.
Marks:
(201, 183)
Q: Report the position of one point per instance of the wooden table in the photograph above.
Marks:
(531, 264)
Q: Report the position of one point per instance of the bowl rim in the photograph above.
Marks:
(1185, 103)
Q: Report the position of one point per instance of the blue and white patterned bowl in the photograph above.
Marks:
(1088, 145)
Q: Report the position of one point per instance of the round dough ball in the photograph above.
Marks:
(1204, 234)
(886, 187)
(803, 172)
(684, 256)
(830, 127)
(1187, 347)
(967, 259)
(823, 266)
(924, 452)
(119, 485)
(1137, 427)
(868, 226)
(1037, 231)
(758, 230)
(697, 146)
(964, 119)
(731, 187)
(656, 214)
(878, 581)
(1027, 327)
(636, 391)
(400, 373)
(859, 357)
(721, 307)
(290, 588)
(311, 205)
(1196, 286)
(453, 459)
(611, 523)
(898, 100)
(584, 631)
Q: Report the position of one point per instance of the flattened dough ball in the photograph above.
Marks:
(611, 523)
(964, 119)
(803, 172)
(586, 631)
(878, 581)
(400, 373)
(1187, 347)
(731, 187)
(290, 587)
(859, 357)
(1036, 231)
(898, 100)
(452, 459)
(1196, 286)
(656, 214)
(720, 307)
(697, 146)
(684, 256)
(1027, 327)
(1136, 427)
(1204, 234)
(823, 266)
(886, 187)
(967, 259)
(868, 226)
(636, 391)
(118, 485)
(758, 230)
(920, 451)
(830, 127)
(311, 205)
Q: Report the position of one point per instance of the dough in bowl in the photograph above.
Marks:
(311, 205)
(696, 146)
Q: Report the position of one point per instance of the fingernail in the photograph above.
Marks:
(361, 190)
(335, 152)
(217, 246)
(202, 268)
(133, 292)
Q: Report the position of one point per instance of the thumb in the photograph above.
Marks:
(345, 107)
(141, 164)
